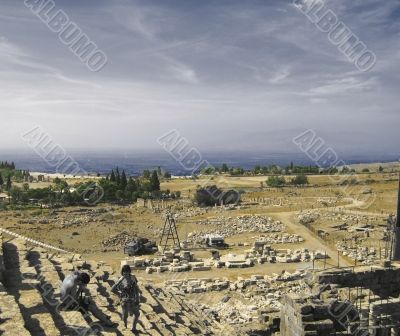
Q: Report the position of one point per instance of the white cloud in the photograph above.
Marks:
(280, 76)
(183, 73)
(349, 85)
(249, 67)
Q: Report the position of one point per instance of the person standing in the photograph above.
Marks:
(128, 291)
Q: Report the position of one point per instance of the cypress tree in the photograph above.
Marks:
(112, 177)
(146, 174)
(1, 180)
(132, 185)
(8, 184)
(124, 180)
(154, 181)
(117, 177)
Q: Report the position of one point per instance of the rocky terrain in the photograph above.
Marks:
(30, 288)
(228, 226)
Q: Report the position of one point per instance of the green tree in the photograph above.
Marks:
(275, 169)
(237, 171)
(131, 186)
(117, 177)
(211, 195)
(109, 189)
(1, 181)
(154, 181)
(8, 183)
(124, 181)
(300, 180)
(287, 171)
(208, 171)
(112, 176)
(119, 195)
(145, 185)
(257, 169)
(15, 194)
(224, 168)
(146, 174)
(380, 169)
(345, 170)
(276, 181)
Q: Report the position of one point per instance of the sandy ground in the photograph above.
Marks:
(72, 230)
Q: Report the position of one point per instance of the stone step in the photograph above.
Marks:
(42, 324)
(35, 276)
(12, 323)
(166, 319)
(27, 281)
(149, 320)
(20, 280)
(74, 323)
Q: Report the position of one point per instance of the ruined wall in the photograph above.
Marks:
(384, 282)
(140, 203)
(322, 314)
(305, 317)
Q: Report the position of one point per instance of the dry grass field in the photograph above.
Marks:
(82, 230)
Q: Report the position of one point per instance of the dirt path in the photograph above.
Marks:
(312, 241)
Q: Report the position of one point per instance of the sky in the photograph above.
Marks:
(228, 75)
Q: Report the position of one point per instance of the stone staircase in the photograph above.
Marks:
(29, 298)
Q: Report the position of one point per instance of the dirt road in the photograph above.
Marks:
(312, 241)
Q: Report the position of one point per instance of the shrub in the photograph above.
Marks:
(211, 195)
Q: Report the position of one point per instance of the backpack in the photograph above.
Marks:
(129, 290)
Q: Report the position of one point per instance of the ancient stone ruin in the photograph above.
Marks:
(30, 289)
(349, 301)
(345, 302)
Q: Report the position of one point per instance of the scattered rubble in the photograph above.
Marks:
(118, 241)
(184, 261)
(363, 254)
(229, 226)
(308, 217)
(262, 253)
(170, 261)
(311, 216)
(284, 238)
(255, 296)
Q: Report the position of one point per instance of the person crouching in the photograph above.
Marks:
(73, 297)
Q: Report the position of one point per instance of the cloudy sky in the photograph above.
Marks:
(234, 75)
